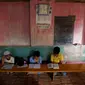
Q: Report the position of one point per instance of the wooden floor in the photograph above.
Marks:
(43, 79)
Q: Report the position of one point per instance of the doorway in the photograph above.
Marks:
(63, 30)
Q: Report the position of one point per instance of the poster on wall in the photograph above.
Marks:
(43, 9)
(43, 16)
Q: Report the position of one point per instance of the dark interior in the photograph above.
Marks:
(63, 29)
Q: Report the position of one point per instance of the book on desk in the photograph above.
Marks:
(34, 66)
(7, 66)
(53, 66)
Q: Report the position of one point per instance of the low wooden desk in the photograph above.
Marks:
(44, 68)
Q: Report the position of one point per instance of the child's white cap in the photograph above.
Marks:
(7, 53)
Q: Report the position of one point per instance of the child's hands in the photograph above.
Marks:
(36, 60)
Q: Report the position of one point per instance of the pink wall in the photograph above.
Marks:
(14, 23)
(83, 39)
(15, 28)
(39, 36)
(46, 36)
(65, 9)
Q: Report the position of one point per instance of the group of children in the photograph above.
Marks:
(56, 57)
(8, 58)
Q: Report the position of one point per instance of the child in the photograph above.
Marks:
(57, 57)
(36, 58)
(7, 58)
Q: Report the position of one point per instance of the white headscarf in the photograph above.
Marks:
(7, 53)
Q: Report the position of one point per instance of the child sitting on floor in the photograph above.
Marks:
(57, 58)
(36, 58)
(7, 58)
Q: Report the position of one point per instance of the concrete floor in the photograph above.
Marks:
(43, 79)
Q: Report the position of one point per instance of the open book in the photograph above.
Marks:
(34, 65)
(7, 66)
(54, 66)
